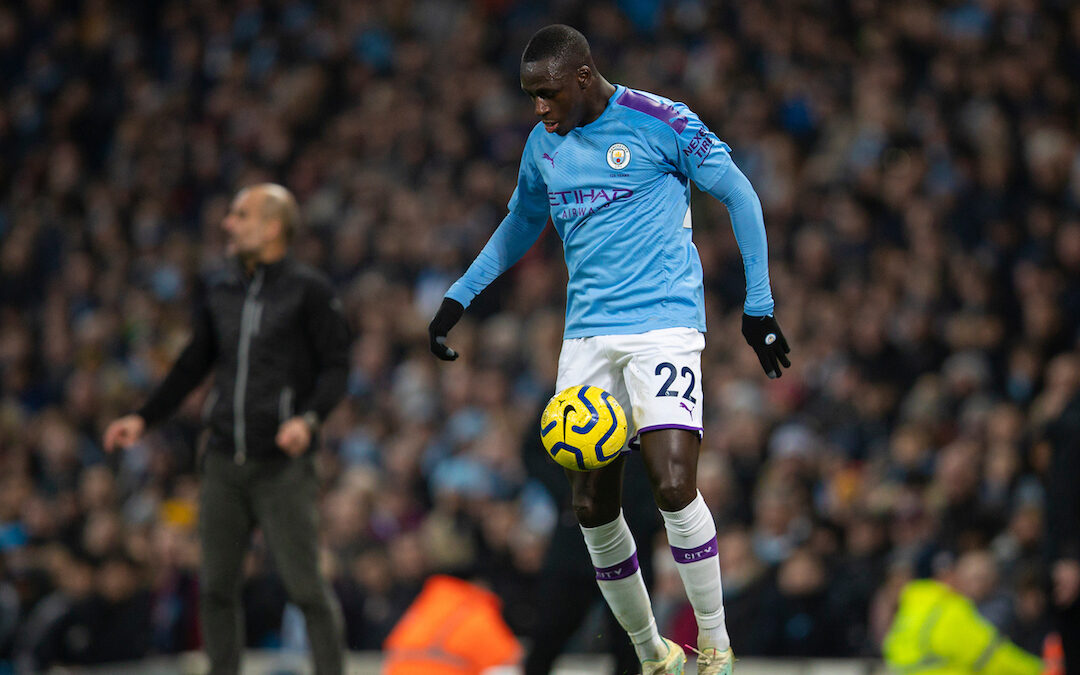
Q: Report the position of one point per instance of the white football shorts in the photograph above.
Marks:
(656, 376)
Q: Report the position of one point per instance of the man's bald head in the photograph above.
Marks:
(277, 203)
(261, 221)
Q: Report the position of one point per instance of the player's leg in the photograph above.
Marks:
(671, 459)
(597, 500)
(663, 377)
(285, 501)
(225, 525)
(596, 497)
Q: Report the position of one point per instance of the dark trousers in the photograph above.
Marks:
(1068, 625)
(562, 604)
(280, 497)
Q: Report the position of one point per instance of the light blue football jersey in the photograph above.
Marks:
(617, 191)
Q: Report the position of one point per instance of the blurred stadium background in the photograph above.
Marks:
(920, 173)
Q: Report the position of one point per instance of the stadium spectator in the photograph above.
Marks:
(453, 628)
(938, 629)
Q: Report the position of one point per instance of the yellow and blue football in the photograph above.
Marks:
(583, 428)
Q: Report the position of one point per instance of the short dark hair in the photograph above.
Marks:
(560, 42)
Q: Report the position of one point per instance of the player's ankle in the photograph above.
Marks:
(653, 649)
(716, 638)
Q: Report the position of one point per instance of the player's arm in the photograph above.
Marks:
(514, 236)
(511, 240)
(706, 160)
(189, 370)
(759, 326)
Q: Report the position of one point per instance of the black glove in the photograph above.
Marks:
(764, 335)
(449, 314)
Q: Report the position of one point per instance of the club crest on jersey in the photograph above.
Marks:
(618, 156)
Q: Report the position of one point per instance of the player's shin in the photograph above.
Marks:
(692, 536)
(614, 555)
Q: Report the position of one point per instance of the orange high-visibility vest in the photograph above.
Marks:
(452, 628)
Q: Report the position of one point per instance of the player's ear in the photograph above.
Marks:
(584, 76)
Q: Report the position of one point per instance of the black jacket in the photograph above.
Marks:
(278, 343)
(1063, 490)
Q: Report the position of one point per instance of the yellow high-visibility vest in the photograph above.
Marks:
(937, 631)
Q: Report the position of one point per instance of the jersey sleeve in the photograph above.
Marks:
(703, 158)
(697, 153)
(515, 235)
(734, 190)
(529, 203)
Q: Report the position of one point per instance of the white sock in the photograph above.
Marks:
(614, 555)
(692, 536)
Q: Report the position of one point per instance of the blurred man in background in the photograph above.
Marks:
(273, 331)
(1063, 526)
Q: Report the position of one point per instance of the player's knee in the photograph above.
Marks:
(674, 494)
(591, 513)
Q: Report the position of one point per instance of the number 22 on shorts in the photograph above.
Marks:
(673, 373)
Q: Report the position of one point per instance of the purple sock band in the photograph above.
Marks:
(621, 571)
(689, 555)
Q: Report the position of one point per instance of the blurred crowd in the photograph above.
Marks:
(919, 169)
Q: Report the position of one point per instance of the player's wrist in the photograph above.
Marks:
(450, 312)
(757, 313)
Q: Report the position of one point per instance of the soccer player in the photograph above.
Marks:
(612, 167)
